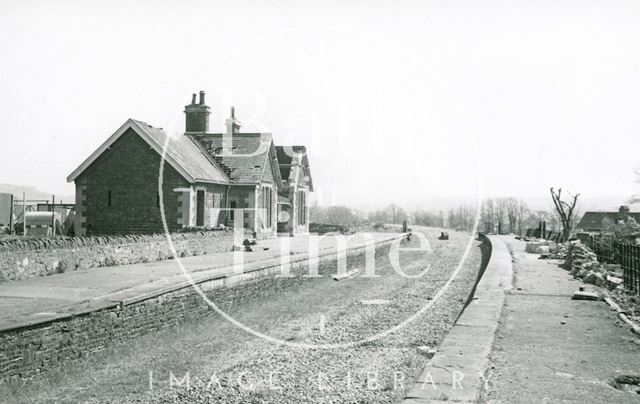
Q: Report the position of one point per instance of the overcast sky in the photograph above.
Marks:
(397, 101)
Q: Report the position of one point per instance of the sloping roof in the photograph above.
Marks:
(181, 153)
(593, 220)
(248, 158)
(285, 158)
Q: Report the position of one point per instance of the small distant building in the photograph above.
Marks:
(6, 210)
(592, 222)
(40, 224)
(207, 179)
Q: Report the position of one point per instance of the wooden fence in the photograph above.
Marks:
(545, 234)
(611, 251)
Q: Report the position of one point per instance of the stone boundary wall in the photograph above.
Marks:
(29, 350)
(29, 258)
(485, 251)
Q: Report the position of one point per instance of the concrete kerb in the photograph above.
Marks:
(623, 315)
(456, 373)
(158, 288)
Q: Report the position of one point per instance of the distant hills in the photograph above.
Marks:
(609, 203)
(32, 193)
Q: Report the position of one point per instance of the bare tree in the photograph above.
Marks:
(522, 210)
(338, 215)
(635, 198)
(511, 206)
(392, 213)
(426, 218)
(566, 211)
(501, 210)
(397, 213)
(462, 218)
(488, 213)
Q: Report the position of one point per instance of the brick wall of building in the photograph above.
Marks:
(80, 224)
(27, 351)
(121, 190)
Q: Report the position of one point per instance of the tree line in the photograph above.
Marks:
(505, 215)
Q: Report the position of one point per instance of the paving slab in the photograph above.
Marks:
(454, 347)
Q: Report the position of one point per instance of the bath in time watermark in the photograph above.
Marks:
(374, 380)
(376, 147)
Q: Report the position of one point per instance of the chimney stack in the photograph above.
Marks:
(233, 125)
(197, 115)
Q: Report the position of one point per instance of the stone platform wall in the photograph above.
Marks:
(29, 258)
(29, 350)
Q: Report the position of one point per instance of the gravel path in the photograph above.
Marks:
(227, 365)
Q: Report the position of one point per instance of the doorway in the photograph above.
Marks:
(200, 208)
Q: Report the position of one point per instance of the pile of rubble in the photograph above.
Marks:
(581, 262)
(544, 247)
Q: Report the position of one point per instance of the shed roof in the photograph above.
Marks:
(181, 153)
(593, 220)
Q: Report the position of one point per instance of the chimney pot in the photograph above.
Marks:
(197, 115)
